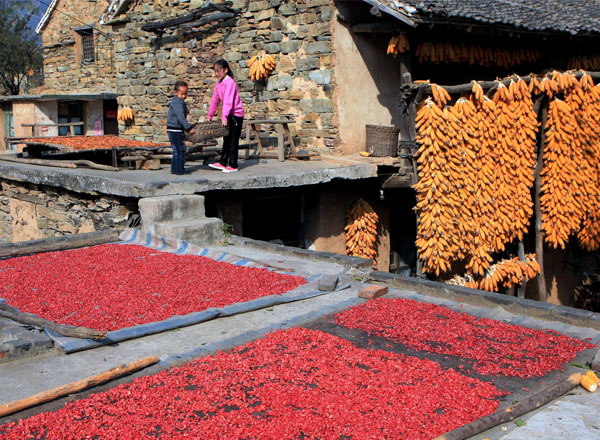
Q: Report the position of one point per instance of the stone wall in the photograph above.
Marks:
(63, 71)
(29, 212)
(296, 33)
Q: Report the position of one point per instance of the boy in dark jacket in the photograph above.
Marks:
(177, 123)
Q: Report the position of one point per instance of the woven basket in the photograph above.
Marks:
(207, 130)
(382, 141)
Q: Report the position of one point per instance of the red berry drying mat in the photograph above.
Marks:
(113, 286)
(292, 384)
(495, 347)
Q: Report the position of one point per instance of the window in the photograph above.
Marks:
(87, 50)
(70, 117)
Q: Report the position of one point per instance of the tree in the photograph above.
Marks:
(20, 54)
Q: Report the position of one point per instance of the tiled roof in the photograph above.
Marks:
(571, 16)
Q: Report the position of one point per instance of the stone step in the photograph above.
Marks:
(167, 208)
(202, 231)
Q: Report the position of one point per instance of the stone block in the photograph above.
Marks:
(277, 23)
(304, 64)
(272, 48)
(160, 209)
(308, 18)
(291, 46)
(258, 6)
(596, 362)
(372, 291)
(203, 231)
(276, 36)
(279, 82)
(320, 76)
(318, 47)
(328, 283)
(319, 105)
(287, 9)
(263, 15)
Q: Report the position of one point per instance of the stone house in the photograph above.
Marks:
(79, 90)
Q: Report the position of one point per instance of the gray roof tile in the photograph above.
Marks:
(572, 16)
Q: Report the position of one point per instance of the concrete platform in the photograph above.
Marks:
(252, 174)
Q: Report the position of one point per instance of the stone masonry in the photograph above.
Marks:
(296, 33)
(63, 71)
(29, 212)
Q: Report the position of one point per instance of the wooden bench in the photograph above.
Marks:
(281, 127)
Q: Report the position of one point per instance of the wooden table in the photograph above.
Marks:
(283, 129)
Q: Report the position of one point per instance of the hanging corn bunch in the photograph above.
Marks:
(585, 63)
(397, 45)
(570, 196)
(446, 52)
(509, 273)
(125, 114)
(361, 231)
(484, 198)
(561, 209)
(515, 160)
(261, 67)
(475, 167)
(437, 202)
(589, 234)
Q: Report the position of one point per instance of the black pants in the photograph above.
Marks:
(178, 146)
(231, 142)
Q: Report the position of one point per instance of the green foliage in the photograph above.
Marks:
(20, 54)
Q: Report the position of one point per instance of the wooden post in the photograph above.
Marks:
(539, 236)
(408, 129)
(522, 287)
(280, 143)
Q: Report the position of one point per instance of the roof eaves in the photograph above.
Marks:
(44, 20)
(403, 11)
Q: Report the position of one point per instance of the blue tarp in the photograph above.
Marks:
(136, 237)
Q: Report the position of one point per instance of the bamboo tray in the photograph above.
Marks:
(207, 130)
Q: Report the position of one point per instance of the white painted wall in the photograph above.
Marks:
(93, 112)
(46, 112)
(367, 85)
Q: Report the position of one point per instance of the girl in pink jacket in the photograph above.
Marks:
(226, 92)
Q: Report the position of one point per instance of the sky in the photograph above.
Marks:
(37, 17)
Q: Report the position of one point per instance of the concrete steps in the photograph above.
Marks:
(198, 231)
(181, 217)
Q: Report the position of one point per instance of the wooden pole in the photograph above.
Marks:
(408, 129)
(52, 244)
(539, 236)
(60, 163)
(9, 312)
(75, 387)
(465, 88)
(523, 286)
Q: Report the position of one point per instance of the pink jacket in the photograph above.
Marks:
(226, 91)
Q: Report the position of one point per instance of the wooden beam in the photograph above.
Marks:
(60, 163)
(54, 244)
(387, 28)
(208, 19)
(75, 387)
(465, 88)
(159, 27)
(9, 312)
